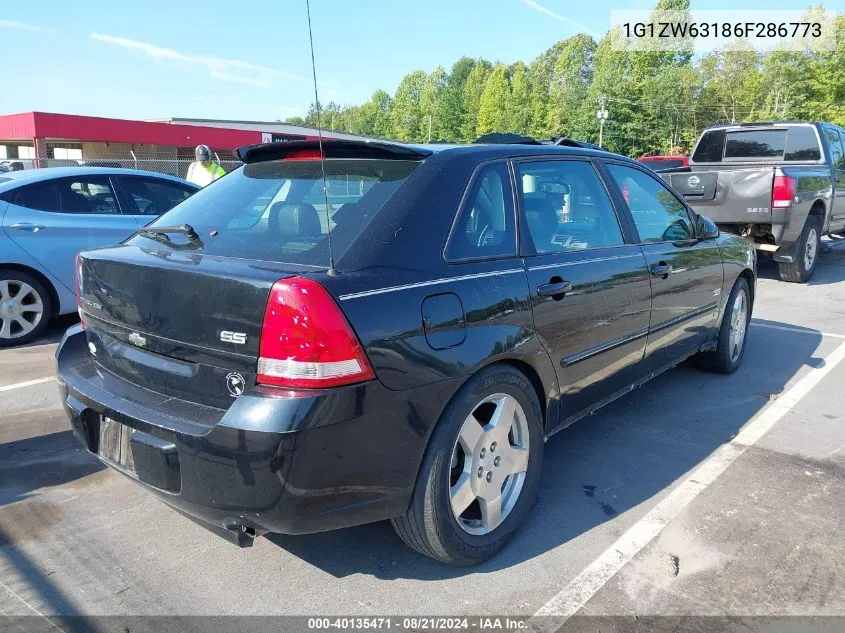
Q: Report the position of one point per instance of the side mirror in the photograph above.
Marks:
(709, 230)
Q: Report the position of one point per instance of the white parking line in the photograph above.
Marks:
(586, 584)
(27, 383)
(797, 329)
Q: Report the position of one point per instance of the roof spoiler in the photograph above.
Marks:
(332, 148)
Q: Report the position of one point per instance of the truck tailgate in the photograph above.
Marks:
(735, 196)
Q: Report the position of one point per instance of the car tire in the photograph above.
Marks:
(23, 300)
(733, 333)
(807, 251)
(471, 536)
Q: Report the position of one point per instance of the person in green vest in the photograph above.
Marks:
(204, 171)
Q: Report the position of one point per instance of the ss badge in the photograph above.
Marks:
(238, 338)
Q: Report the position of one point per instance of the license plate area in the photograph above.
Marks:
(114, 444)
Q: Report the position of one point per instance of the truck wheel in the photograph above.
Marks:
(730, 346)
(25, 308)
(806, 254)
(480, 473)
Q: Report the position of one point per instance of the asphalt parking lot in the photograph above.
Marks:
(697, 495)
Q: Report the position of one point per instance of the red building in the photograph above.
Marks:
(42, 139)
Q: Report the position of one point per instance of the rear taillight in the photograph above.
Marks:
(306, 341)
(78, 287)
(783, 192)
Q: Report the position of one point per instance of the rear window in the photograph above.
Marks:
(765, 144)
(795, 143)
(276, 210)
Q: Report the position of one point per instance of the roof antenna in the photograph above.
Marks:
(332, 271)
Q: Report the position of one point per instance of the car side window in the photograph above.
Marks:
(658, 215)
(837, 159)
(149, 196)
(40, 196)
(566, 207)
(485, 225)
(88, 195)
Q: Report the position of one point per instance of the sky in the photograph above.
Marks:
(251, 60)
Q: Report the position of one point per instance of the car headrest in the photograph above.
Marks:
(542, 219)
(293, 221)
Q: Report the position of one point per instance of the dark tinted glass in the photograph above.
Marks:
(835, 144)
(801, 144)
(709, 149)
(755, 144)
(41, 196)
(276, 210)
(149, 196)
(87, 195)
(485, 226)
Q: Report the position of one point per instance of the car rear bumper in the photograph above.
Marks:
(274, 461)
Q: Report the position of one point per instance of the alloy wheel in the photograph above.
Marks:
(21, 308)
(739, 324)
(811, 250)
(489, 462)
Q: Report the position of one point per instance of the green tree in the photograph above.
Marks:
(569, 113)
(473, 88)
(452, 100)
(612, 81)
(405, 113)
(492, 113)
(518, 105)
(431, 103)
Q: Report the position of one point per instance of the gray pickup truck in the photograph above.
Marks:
(779, 185)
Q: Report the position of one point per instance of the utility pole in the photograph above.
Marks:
(429, 128)
(601, 115)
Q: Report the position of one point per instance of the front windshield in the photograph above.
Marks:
(277, 211)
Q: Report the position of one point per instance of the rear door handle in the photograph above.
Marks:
(27, 226)
(661, 270)
(554, 289)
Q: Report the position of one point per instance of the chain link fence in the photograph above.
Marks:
(172, 167)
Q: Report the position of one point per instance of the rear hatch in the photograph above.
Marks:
(180, 310)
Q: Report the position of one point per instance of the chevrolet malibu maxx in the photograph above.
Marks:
(369, 331)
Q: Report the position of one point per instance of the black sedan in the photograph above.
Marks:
(375, 331)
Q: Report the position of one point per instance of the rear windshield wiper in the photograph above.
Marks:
(184, 229)
(160, 233)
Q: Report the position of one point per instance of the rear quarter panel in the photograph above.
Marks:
(737, 256)
(814, 185)
(495, 325)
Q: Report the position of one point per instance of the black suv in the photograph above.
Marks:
(382, 331)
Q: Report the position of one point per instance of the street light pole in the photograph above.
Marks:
(429, 128)
(601, 115)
